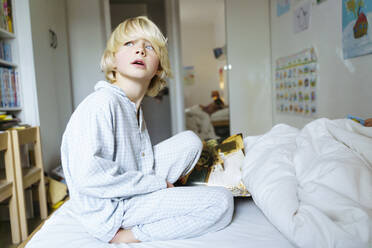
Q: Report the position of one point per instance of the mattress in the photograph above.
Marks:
(220, 115)
(249, 228)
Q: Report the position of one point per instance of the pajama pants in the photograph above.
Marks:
(180, 212)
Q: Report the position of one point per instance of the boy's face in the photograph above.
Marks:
(136, 59)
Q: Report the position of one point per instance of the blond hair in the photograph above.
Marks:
(134, 28)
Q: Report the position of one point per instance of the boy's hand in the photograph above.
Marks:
(169, 185)
(368, 122)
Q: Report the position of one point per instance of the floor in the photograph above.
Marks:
(5, 235)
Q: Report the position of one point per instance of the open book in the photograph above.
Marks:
(220, 165)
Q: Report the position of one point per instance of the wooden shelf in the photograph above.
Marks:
(11, 109)
(5, 34)
(7, 63)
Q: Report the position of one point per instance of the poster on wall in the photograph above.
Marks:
(282, 7)
(296, 83)
(188, 75)
(356, 30)
(301, 17)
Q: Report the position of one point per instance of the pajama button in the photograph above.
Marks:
(143, 154)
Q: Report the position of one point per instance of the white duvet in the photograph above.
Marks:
(314, 184)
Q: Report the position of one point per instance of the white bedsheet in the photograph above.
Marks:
(220, 115)
(249, 229)
(314, 184)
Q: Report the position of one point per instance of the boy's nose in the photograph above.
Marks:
(140, 51)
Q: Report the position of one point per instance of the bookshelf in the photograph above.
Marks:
(7, 63)
(10, 101)
(6, 34)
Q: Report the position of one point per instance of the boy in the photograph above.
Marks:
(121, 188)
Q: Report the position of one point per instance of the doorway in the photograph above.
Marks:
(156, 111)
(203, 44)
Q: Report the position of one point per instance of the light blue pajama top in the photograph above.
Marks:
(106, 157)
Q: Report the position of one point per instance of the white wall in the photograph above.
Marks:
(52, 75)
(344, 86)
(248, 52)
(87, 39)
(198, 42)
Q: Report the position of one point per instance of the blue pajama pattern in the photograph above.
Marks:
(116, 178)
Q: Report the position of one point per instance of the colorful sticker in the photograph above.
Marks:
(296, 83)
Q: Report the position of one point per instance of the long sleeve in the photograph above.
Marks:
(89, 150)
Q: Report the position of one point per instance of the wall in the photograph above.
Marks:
(344, 86)
(248, 52)
(87, 39)
(52, 75)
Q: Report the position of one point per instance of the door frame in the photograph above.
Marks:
(175, 83)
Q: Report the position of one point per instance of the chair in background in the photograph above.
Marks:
(8, 186)
(26, 177)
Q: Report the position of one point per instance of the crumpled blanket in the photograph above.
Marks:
(199, 122)
(314, 184)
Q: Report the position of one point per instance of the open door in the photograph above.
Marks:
(249, 63)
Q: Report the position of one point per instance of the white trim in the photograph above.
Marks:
(106, 18)
(26, 69)
(175, 84)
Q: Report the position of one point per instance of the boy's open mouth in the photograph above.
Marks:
(139, 63)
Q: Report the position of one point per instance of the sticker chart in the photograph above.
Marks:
(296, 83)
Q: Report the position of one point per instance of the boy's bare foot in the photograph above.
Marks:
(124, 236)
(368, 122)
(170, 185)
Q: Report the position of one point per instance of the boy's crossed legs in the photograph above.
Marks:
(178, 213)
(181, 212)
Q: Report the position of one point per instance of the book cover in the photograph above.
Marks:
(220, 164)
(3, 93)
(7, 53)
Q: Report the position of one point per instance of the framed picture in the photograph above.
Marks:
(356, 30)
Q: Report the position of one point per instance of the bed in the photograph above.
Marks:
(221, 116)
(199, 122)
(249, 228)
(216, 125)
(221, 122)
(310, 188)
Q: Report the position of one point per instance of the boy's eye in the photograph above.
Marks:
(129, 43)
(149, 47)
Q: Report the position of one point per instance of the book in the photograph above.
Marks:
(356, 119)
(220, 164)
(7, 52)
(7, 124)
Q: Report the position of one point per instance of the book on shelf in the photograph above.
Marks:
(5, 51)
(220, 164)
(7, 124)
(9, 88)
(6, 20)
